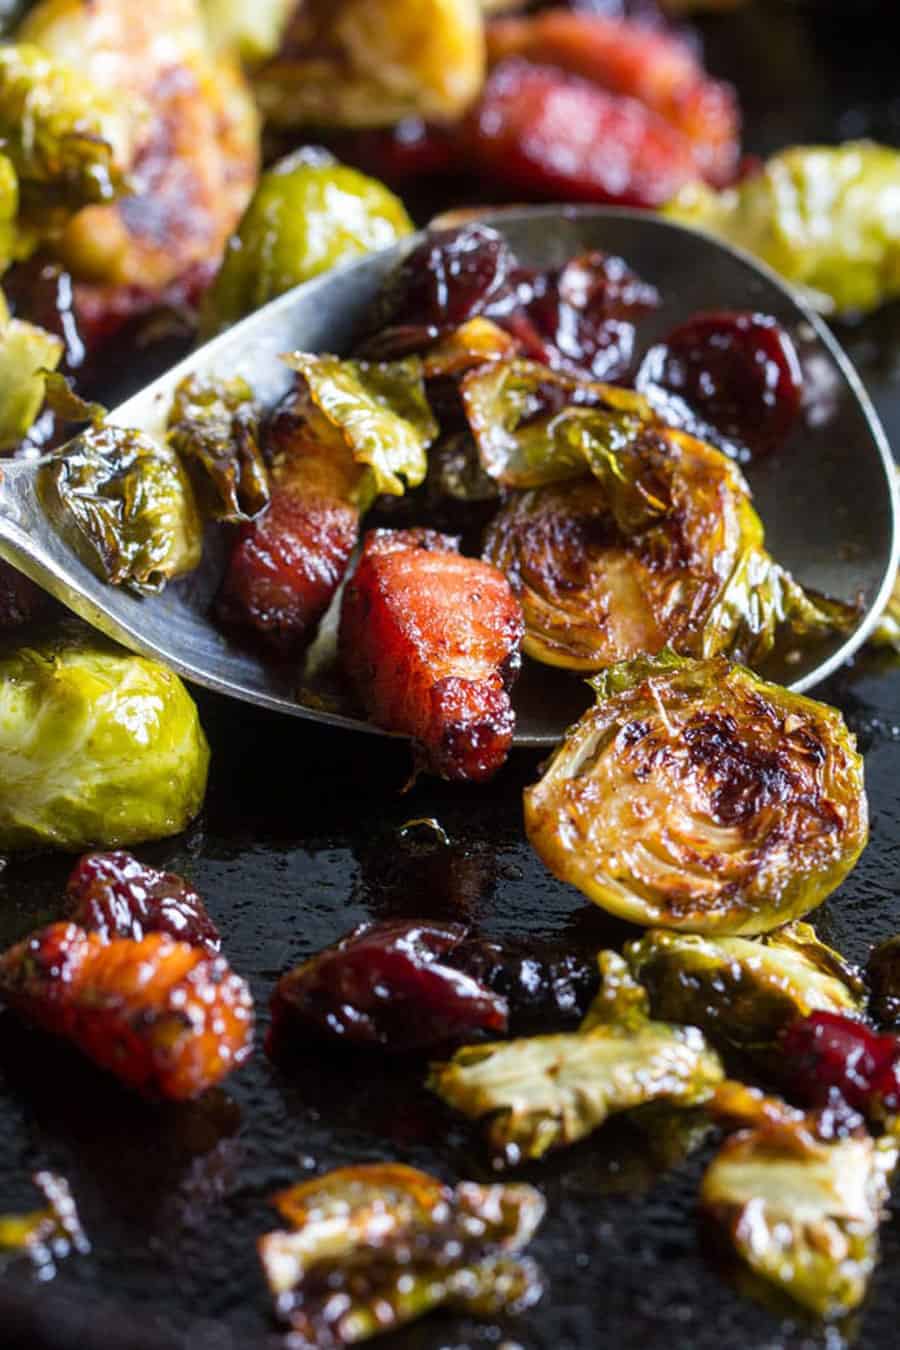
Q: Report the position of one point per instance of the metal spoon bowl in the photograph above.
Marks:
(828, 498)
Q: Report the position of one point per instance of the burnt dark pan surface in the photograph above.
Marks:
(298, 842)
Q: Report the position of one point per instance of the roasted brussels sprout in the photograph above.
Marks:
(25, 353)
(802, 1212)
(127, 504)
(97, 746)
(545, 1092)
(663, 549)
(46, 1234)
(382, 413)
(374, 1247)
(367, 63)
(254, 29)
(697, 796)
(214, 426)
(742, 991)
(823, 216)
(308, 214)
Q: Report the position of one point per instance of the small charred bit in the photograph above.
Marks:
(372, 1247)
(387, 985)
(167, 1019)
(287, 564)
(116, 896)
(799, 1208)
(49, 1234)
(698, 797)
(214, 426)
(742, 992)
(545, 1092)
(732, 378)
(430, 642)
(883, 979)
(20, 599)
(828, 1055)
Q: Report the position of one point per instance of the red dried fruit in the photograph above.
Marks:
(116, 896)
(430, 640)
(733, 377)
(552, 134)
(167, 1019)
(387, 985)
(826, 1054)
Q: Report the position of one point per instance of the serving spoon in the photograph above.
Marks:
(828, 499)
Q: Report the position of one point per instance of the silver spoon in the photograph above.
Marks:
(828, 501)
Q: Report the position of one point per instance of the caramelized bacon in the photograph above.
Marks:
(288, 562)
(430, 640)
(169, 1020)
(116, 896)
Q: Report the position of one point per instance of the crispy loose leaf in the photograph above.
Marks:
(47, 1234)
(477, 342)
(696, 796)
(544, 1092)
(128, 505)
(214, 426)
(743, 991)
(373, 1247)
(825, 217)
(381, 410)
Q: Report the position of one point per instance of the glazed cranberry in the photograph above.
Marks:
(542, 987)
(827, 1054)
(387, 985)
(412, 149)
(730, 376)
(118, 897)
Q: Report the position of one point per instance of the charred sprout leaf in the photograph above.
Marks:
(68, 141)
(214, 427)
(696, 796)
(534, 426)
(98, 747)
(373, 1247)
(308, 214)
(255, 30)
(802, 1212)
(382, 413)
(663, 549)
(128, 504)
(744, 991)
(825, 217)
(476, 342)
(69, 406)
(545, 1092)
(26, 353)
(47, 1234)
(366, 63)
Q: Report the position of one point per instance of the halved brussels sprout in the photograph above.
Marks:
(127, 503)
(214, 426)
(382, 413)
(374, 1247)
(97, 747)
(308, 214)
(661, 548)
(545, 1092)
(743, 991)
(25, 353)
(800, 1211)
(825, 217)
(371, 63)
(697, 796)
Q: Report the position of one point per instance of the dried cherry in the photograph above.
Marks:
(827, 1055)
(116, 896)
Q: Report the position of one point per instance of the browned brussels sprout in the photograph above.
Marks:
(214, 427)
(697, 796)
(369, 63)
(25, 353)
(545, 1092)
(743, 991)
(661, 548)
(127, 504)
(801, 1211)
(373, 1247)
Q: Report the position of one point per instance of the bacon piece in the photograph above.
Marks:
(117, 896)
(167, 1019)
(552, 134)
(430, 640)
(288, 563)
(658, 68)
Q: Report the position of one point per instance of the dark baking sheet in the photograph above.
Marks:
(299, 840)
